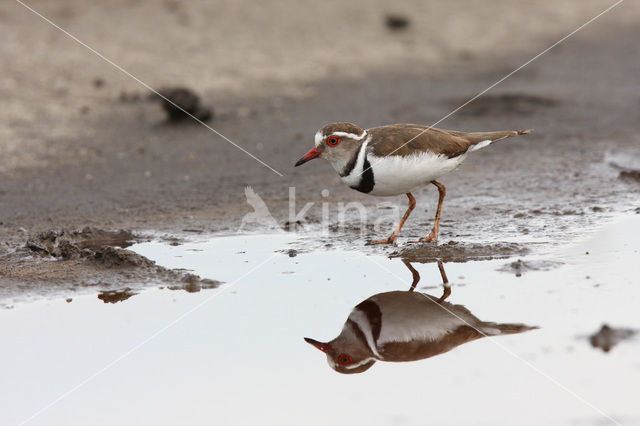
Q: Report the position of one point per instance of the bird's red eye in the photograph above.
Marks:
(333, 140)
(344, 359)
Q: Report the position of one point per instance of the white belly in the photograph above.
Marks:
(408, 316)
(395, 175)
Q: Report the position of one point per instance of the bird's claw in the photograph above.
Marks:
(388, 240)
(428, 239)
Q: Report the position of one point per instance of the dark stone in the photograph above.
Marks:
(396, 22)
(178, 100)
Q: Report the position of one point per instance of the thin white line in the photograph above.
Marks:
(144, 342)
(109, 61)
(509, 351)
(502, 79)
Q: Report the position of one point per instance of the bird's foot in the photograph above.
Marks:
(446, 292)
(388, 240)
(431, 238)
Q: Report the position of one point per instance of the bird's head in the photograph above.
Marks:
(336, 142)
(345, 355)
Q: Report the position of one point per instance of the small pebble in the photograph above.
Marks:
(396, 22)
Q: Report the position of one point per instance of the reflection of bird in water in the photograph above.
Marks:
(260, 214)
(405, 326)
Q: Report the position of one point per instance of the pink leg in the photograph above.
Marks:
(392, 238)
(433, 235)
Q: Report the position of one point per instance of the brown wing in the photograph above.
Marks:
(407, 139)
(421, 349)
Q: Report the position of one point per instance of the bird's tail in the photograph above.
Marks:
(481, 139)
(495, 329)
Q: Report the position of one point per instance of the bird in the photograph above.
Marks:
(398, 159)
(399, 326)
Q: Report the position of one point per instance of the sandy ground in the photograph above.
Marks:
(80, 145)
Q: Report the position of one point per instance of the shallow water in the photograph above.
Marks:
(236, 354)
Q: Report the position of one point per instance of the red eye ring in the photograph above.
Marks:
(344, 359)
(333, 140)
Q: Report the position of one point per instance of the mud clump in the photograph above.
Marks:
(506, 103)
(194, 284)
(396, 22)
(102, 247)
(113, 257)
(67, 250)
(177, 100)
(459, 252)
(95, 257)
(607, 337)
(43, 243)
(72, 244)
(519, 267)
(630, 175)
(115, 296)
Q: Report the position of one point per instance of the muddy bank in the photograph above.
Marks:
(121, 165)
(453, 251)
(69, 262)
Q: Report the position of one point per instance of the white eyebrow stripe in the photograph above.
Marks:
(359, 364)
(318, 138)
(335, 366)
(351, 135)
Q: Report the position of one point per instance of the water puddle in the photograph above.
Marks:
(492, 346)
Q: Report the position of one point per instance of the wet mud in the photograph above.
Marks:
(630, 175)
(75, 261)
(88, 242)
(505, 104)
(459, 252)
(103, 248)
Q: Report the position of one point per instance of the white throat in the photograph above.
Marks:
(355, 176)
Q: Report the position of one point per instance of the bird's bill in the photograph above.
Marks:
(324, 347)
(308, 156)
